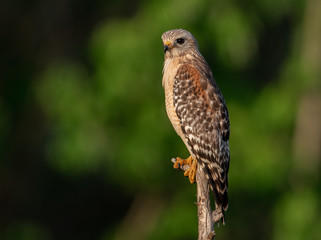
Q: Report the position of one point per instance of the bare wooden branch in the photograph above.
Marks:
(205, 221)
(206, 218)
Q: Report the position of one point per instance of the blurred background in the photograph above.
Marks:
(85, 143)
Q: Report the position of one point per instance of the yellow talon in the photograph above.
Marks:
(191, 172)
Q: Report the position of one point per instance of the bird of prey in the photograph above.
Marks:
(198, 113)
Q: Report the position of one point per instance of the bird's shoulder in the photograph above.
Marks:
(197, 79)
(194, 84)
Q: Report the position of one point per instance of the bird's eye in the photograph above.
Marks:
(180, 40)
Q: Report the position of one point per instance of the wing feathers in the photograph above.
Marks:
(204, 120)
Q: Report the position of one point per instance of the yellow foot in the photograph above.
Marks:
(191, 172)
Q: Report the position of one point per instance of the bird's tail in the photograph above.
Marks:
(219, 183)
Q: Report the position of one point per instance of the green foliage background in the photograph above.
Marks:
(86, 143)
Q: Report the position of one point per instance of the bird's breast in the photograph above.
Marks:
(169, 72)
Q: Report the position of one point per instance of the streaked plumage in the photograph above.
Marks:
(197, 110)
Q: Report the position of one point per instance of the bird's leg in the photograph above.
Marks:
(191, 172)
(192, 163)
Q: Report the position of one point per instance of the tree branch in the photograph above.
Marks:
(206, 218)
(205, 221)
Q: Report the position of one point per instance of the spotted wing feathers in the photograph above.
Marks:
(204, 120)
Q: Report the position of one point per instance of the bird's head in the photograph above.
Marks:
(178, 42)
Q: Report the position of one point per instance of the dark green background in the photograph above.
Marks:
(85, 143)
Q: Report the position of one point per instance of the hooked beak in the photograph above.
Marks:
(167, 46)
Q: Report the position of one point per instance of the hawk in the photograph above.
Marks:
(198, 113)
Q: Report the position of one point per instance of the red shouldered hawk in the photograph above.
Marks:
(197, 111)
